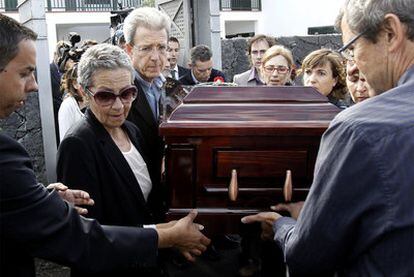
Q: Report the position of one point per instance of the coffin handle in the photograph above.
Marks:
(288, 187)
(233, 187)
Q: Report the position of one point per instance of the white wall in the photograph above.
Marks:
(238, 16)
(286, 17)
(14, 15)
(98, 32)
(293, 17)
(89, 25)
(238, 27)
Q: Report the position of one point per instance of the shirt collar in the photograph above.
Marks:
(194, 78)
(406, 76)
(254, 75)
(158, 81)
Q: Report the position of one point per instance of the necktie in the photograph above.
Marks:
(174, 74)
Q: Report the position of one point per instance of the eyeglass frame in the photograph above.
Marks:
(88, 91)
(277, 69)
(153, 47)
(341, 50)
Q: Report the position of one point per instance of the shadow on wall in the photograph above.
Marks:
(234, 51)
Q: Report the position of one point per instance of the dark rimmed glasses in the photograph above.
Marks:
(347, 53)
(280, 69)
(107, 98)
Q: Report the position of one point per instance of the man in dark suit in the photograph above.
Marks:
(201, 68)
(36, 223)
(173, 52)
(146, 44)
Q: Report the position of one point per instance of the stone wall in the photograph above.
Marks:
(25, 126)
(235, 59)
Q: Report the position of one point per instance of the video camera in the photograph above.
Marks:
(117, 21)
(71, 52)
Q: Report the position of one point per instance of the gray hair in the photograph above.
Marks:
(102, 57)
(200, 53)
(368, 15)
(147, 17)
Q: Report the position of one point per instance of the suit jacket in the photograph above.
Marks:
(36, 223)
(182, 71)
(89, 159)
(187, 80)
(247, 78)
(141, 115)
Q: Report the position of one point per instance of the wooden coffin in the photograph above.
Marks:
(256, 133)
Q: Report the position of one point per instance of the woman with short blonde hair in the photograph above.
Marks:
(277, 64)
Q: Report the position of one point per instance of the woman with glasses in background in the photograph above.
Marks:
(264, 256)
(74, 101)
(324, 70)
(277, 64)
(105, 155)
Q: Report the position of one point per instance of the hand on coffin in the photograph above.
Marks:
(292, 208)
(185, 235)
(73, 196)
(266, 219)
(166, 225)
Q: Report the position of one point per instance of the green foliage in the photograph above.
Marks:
(148, 3)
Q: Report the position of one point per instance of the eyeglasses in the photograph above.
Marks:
(107, 98)
(347, 53)
(280, 69)
(148, 49)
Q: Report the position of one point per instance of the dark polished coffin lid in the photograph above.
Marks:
(215, 111)
(261, 131)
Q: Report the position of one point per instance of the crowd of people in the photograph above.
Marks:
(330, 73)
(356, 220)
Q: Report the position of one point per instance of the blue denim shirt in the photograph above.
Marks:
(358, 219)
(153, 92)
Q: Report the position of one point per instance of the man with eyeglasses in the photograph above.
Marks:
(201, 68)
(146, 33)
(358, 219)
(256, 48)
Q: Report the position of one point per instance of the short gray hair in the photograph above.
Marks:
(147, 17)
(200, 53)
(102, 57)
(368, 15)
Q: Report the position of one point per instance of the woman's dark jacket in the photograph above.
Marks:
(89, 159)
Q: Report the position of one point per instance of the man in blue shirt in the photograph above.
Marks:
(358, 219)
(146, 33)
